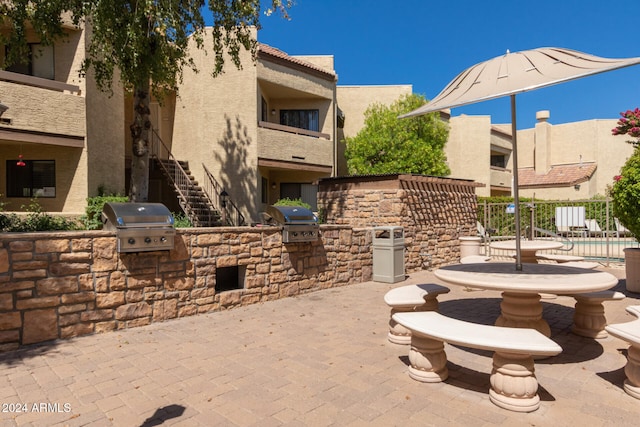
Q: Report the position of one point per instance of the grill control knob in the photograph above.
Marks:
(163, 239)
(147, 239)
(131, 240)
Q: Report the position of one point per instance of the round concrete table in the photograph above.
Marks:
(528, 248)
(521, 306)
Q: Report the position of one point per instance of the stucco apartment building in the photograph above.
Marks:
(72, 139)
(267, 131)
(60, 138)
(568, 161)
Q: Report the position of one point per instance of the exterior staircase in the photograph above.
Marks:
(195, 202)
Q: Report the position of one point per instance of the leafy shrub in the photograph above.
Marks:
(92, 219)
(36, 220)
(625, 194)
(292, 202)
(181, 220)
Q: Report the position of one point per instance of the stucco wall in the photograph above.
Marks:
(571, 143)
(216, 121)
(468, 150)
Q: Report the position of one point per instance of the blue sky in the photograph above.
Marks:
(426, 43)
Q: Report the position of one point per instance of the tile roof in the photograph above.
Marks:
(557, 176)
(278, 55)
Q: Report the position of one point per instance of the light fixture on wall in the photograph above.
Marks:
(274, 185)
(273, 111)
(224, 198)
(576, 187)
(20, 162)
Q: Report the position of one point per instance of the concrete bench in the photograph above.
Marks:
(630, 332)
(581, 264)
(588, 318)
(560, 258)
(410, 298)
(473, 259)
(513, 382)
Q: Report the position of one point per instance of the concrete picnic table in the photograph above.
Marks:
(528, 248)
(521, 289)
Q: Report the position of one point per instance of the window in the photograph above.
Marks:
(264, 116)
(302, 119)
(37, 178)
(308, 193)
(40, 63)
(498, 160)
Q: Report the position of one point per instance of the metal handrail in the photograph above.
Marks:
(568, 243)
(180, 180)
(230, 213)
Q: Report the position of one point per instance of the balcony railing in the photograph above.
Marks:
(38, 82)
(291, 129)
(500, 177)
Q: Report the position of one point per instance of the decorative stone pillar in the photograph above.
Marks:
(632, 371)
(513, 383)
(469, 246)
(428, 360)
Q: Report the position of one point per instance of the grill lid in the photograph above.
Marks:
(292, 215)
(126, 215)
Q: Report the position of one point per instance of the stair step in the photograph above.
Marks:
(196, 204)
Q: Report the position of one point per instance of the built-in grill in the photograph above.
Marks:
(299, 224)
(140, 227)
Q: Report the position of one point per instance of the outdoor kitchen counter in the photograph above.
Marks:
(521, 306)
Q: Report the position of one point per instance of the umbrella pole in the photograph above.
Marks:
(516, 197)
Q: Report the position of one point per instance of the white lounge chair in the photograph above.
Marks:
(570, 221)
(593, 228)
(621, 230)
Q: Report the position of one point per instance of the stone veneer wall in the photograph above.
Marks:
(66, 284)
(434, 212)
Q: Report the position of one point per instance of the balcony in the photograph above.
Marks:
(500, 177)
(42, 105)
(288, 144)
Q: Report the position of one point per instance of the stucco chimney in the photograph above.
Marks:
(542, 116)
(542, 141)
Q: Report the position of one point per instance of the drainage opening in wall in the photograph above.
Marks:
(230, 278)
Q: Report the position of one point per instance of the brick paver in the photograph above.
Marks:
(320, 359)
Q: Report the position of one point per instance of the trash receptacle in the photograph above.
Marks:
(388, 254)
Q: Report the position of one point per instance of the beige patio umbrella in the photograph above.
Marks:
(513, 73)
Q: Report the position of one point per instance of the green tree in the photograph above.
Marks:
(142, 43)
(625, 192)
(387, 144)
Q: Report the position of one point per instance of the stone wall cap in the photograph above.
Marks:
(395, 177)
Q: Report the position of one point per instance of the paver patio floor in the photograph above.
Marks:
(320, 359)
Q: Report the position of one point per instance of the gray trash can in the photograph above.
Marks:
(388, 254)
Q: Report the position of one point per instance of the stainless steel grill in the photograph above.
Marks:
(140, 227)
(299, 224)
